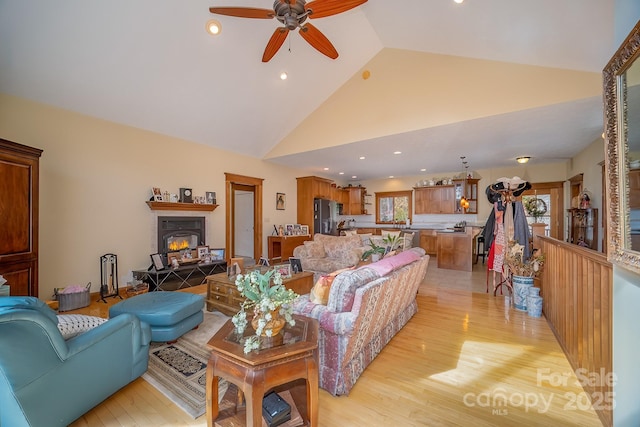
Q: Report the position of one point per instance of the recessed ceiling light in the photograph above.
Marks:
(391, 176)
(522, 159)
(423, 170)
(353, 177)
(458, 1)
(283, 75)
(341, 173)
(326, 169)
(397, 152)
(213, 27)
(362, 157)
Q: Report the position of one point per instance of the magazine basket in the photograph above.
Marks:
(73, 301)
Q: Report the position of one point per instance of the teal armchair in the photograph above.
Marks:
(47, 381)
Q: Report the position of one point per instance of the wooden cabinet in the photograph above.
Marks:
(467, 188)
(439, 199)
(634, 189)
(356, 200)
(309, 188)
(455, 251)
(281, 247)
(429, 241)
(19, 178)
(583, 227)
(223, 295)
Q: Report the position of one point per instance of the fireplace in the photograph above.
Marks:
(176, 233)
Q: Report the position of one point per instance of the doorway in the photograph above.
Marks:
(243, 197)
(553, 195)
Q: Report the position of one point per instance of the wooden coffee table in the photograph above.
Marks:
(260, 371)
(223, 295)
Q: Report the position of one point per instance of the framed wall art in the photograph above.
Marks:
(281, 200)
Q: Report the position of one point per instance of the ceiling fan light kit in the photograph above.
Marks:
(293, 14)
(213, 27)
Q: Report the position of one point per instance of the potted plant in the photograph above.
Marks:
(376, 252)
(269, 301)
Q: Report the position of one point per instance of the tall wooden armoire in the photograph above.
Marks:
(19, 217)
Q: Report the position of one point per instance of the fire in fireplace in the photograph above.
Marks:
(180, 232)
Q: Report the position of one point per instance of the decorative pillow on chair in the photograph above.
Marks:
(320, 291)
(314, 249)
(71, 325)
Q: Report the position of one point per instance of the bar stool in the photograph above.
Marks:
(480, 241)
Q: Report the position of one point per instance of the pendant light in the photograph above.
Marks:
(464, 203)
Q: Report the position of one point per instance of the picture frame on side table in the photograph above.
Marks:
(284, 270)
(217, 254)
(288, 229)
(296, 265)
(281, 201)
(203, 251)
(297, 230)
(156, 260)
(304, 230)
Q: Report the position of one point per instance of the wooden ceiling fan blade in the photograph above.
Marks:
(277, 38)
(244, 12)
(324, 8)
(318, 40)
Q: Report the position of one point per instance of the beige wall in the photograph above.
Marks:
(96, 176)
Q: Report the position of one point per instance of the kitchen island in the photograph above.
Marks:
(455, 248)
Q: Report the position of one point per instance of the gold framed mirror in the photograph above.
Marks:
(621, 79)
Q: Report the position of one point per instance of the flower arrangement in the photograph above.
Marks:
(520, 267)
(534, 207)
(267, 297)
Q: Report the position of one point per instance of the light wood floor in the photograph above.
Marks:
(465, 359)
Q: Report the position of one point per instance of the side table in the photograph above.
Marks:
(258, 372)
(222, 294)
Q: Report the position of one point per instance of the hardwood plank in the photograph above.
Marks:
(460, 348)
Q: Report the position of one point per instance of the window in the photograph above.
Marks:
(393, 207)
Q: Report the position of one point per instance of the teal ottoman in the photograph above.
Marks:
(170, 314)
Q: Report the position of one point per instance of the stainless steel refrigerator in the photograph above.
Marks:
(324, 216)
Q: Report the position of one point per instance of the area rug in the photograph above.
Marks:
(178, 370)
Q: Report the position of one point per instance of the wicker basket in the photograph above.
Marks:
(73, 301)
(137, 289)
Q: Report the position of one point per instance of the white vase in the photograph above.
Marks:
(521, 287)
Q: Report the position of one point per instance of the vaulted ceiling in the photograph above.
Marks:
(487, 79)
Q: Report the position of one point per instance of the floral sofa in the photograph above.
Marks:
(366, 307)
(325, 253)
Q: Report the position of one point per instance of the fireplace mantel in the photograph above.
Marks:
(169, 206)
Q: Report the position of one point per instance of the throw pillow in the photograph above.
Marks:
(350, 232)
(314, 249)
(320, 291)
(71, 325)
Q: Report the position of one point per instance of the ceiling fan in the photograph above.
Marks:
(293, 13)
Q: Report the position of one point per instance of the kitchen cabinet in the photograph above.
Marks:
(438, 199)
(309, 188)
(19, 179)
(583, 227)
(356, 200)
(429, 241)
(469, 189)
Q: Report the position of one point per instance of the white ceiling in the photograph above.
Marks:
(150, 64)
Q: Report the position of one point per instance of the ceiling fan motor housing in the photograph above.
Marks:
(292, 15)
